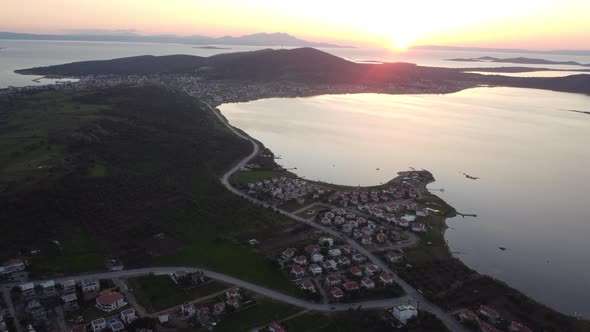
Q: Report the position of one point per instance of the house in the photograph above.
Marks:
(312, 249)
(422, 212)
(350, 286)
(35, 310)
(487, 327)
(164, 318)
(128, 316)
(233, 293)
(90, 288)
(333, 280)
(336, 292)
(308, 285)
(300, 260)
(418, 227)
(358, 258)
(343, 261)
(110, 301)
(393, 257)
(326, 241)
(203, 314)
(356, 271)
(48, 288)
(218, 308)
(315, 269)
(316, 258)
(366, 239)
(276, 327)
(491, 314)
(98, 324)
(386, 278)
(403, 312)
(68, 286)
(518, 327)
(289, 253)
(371, 269)
(27, 290)
(334, 252)
(187, 310)
(234, 303)
(381, 238)
(297, 271)
(368, 283)
(70, 302)
(348, 249)
(467, 314)
(330, 265)
(13, 265)
(115, 325)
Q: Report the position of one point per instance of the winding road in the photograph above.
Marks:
(424, 304)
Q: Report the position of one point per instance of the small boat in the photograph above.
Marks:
(502, 248)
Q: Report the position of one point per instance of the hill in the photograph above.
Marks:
(130, 173)
(257, 39)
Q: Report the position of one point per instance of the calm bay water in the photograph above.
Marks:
(530, 154)
(15, 54)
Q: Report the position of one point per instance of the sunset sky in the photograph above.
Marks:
(533, 24)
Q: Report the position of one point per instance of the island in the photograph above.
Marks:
(520, 60)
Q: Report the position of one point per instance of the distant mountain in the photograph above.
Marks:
(502, 50)
(520, 60)
(258, 39)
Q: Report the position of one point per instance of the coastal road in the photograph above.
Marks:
(451, 323)
(266, 292)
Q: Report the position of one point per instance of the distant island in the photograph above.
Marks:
(211, 48)
(520, 60)
(309, 66)
(501, 50)
(257, 39)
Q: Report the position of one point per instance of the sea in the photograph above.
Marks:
(21, 54)
(527, 148)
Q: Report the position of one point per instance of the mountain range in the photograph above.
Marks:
(258, 39)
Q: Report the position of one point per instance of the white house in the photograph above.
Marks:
(334, 252)
(128, 316)
(98, 324)
(404, 312)
(317, 258)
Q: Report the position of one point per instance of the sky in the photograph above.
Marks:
(532, 24)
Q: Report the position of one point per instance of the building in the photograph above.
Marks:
(368, 283)
(487, 327)
(418, 227)
(128, 316)
(350, 286)
(335, 252)
(98, 324)
(218, 308)
(48, 288)
(300, 260)
(3, 327)
(371, 269)
(393, 257)
(356, 271)
(333, 280)
(115, 325)
(297, 271)
(233, 293)
(289, 253)
(404, 312)
(330, 265)
(28, 290)
(317, 258)
(386, 278)
(70, 302)
(315, 269)
(518, 327)
(35, 310)
(234, 303)
(276, 327)
(467, 314)
(188, 310)
(491, 314)
(68, 287)
(203, 314)
(336, 293)
(308, 285)
(13, 265)
(110, 301)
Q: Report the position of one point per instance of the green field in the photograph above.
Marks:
(244, 177)
(130, 173)
(156, 293)
(263, 313)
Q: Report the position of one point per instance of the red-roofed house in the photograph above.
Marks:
(297, 271)
(300, 260)
(233, 293)
(333, 280)
(336, 292)
(218, 308)
(188, 310)
(276, 327)
(356, 271)
(368, 283)
(308, 286)
(233, 302)
(289, 253)
(109, 301)
(490, 313)
(350, 286)
(313, 248)
(371, 269)
(386, 278)
(467, 314)
(203, 314)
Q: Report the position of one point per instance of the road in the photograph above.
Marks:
(267, 292)
(8, 301)
(451, 323)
